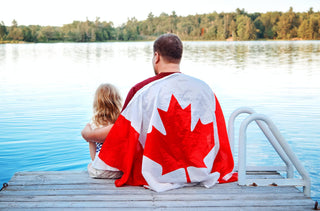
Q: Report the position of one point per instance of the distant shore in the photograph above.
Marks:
(233, 26)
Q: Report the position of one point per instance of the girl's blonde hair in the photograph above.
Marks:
(106, 105)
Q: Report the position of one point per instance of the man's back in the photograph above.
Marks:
(174, 136)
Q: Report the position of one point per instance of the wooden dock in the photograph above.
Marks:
(75, 190)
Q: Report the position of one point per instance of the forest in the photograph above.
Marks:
(238, 25)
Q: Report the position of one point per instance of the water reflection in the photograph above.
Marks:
(278, 54)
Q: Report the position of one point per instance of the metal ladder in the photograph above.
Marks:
(279, 144)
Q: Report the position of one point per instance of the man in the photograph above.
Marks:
(171, 131)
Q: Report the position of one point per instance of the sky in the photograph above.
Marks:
(60, 12)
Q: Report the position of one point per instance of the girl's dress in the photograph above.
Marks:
(98, 145)
(93, 167)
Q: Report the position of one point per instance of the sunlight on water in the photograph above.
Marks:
(46, 93)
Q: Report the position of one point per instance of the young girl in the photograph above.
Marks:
(106, 109)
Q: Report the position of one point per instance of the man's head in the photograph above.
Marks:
(169, 47)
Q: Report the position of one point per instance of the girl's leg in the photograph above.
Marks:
(92, 150)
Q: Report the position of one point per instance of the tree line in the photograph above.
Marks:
(238, 25)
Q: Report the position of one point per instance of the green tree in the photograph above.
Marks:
(162, 24)
(131, 30)
(150, 24)
(245, 28)
(93, 34)
(27, 34)
(240, 12)
(212, 32)
(42, 37)
(310, 11)
(315, 25)
(260, 28)
(15, 33)
(3, 31)
(269, 21)
(233, 29)
(288, 24)
(173, 22)
(50, 33)
(309, 28)
(221, 30)
(303, 31)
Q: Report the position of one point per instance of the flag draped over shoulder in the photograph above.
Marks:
(172, 133)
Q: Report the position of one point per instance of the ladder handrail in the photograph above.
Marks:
(231, 121)
(266, 132)
(285, 146)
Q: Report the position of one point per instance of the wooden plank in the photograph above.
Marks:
(152, 204)
(140, 190)
(269, 208)
(282, 182)
(72, 178)
(103, 186)
(263, 168)
(156, 197)
(73, 172)
(53, 178)
(161, 203)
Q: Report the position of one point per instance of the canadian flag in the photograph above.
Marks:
(171, 134)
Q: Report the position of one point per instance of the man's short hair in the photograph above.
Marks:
(169, 46)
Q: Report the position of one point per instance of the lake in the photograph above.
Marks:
(46, 94)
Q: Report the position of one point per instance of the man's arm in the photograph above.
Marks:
(96, 135)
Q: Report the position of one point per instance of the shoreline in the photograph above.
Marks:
(194, 40)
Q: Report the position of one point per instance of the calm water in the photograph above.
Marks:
(46, 93)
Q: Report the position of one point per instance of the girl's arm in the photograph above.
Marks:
(96, 135)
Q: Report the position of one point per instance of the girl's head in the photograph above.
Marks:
(106, 104)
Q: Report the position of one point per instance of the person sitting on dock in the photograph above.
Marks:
(171, 131)
(106, 109)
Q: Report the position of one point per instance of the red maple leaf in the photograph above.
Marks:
(180, 147)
